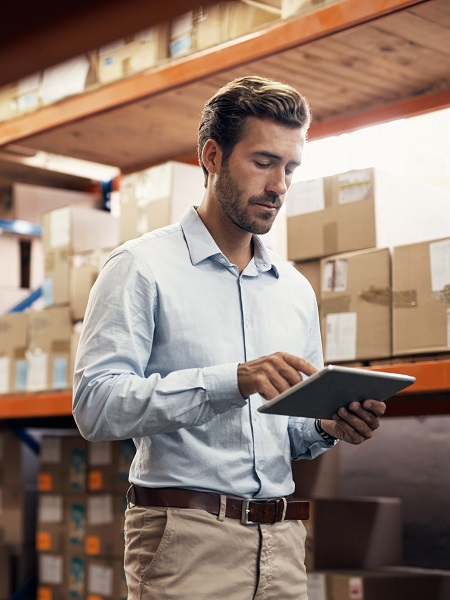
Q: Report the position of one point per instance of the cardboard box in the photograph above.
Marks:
(109, 466)
(51, 527)
(157, 197)
(48, 351)
(28, 202)
(105, 579)
(83, 271)
(13, 343)
(318, 478)
(373, 585)
(68, 231)
(105, 525)
(18, 462)
(291, 8)
(355, 305)
(17, 515)
(11, 297)
(353, 533)
(61, 577)
(421, 297)
(360, 209)
(75, 519)
(311, 270)
(63, 464)
(128, 56)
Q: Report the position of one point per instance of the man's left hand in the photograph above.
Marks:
(357, 422)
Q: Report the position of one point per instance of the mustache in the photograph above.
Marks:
(272, 199)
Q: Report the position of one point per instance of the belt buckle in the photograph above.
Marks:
(245, 511)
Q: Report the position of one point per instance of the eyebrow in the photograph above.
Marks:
(275, 156)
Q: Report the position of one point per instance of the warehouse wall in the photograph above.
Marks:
(408, 458)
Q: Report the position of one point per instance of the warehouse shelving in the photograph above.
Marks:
(429, 395)
(358, 63)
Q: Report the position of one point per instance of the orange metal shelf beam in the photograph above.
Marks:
(276, 38)
(40, 404)
(432, 376)
(429, 395)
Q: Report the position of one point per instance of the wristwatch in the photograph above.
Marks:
(325, 436)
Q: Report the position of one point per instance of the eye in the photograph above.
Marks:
(262, 165)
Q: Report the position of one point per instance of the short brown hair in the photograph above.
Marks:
(224, 115)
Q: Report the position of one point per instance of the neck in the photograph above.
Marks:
(234, 243)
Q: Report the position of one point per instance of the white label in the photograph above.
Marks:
(355, 588)
(60, 227)
(100, 580)
(51, 450)
(440, 265)
(65, 79)
(354, 186)
(27, 101)
(317, 588)
(4, 374)
(50, 569)
(341, 336)
(100, 509)
(100, 454)
(335, 275)
(50, 509)
(37, 365)
(305, 197)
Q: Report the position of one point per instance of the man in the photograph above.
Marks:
(189, 329)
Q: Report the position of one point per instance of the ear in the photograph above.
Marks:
(212, 156)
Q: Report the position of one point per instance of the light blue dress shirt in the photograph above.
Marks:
(168, 320)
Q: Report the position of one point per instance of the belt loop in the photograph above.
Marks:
(131, 497)
(223, 508)
(283, 515)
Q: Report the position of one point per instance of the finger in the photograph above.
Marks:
(300, 364)
(376, 407)
(347, 432)
(350, 420)
(369, 417)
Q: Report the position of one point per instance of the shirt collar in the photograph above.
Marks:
(201, 245)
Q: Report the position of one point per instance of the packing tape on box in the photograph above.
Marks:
(338, 304)
(330, 238)
(377, 295)
(404, 299)
(60, 346)
(443, 295)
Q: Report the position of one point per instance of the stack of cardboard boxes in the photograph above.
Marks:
(372, 244)
(82, 500)
(18, 493)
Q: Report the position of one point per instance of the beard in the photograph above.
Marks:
(236, 209)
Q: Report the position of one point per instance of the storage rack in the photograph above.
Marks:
(349, 86)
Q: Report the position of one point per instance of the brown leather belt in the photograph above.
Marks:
(249, 511)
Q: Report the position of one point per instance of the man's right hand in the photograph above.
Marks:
(271, 375)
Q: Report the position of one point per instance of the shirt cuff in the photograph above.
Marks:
(222, 387)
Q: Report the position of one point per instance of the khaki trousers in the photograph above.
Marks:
(189, 554)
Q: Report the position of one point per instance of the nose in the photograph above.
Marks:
(277, 183)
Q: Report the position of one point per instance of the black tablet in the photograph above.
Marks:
(320, 395)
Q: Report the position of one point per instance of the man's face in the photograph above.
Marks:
(251, 186)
